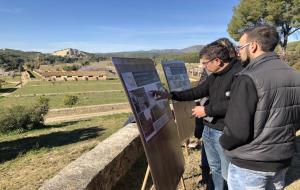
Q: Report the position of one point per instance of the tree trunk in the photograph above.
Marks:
(283, 43)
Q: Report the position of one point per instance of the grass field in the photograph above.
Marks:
(28, 159)
(44, 87)
(57, 101)
(88, 92)
(11, 79)
(10, 82)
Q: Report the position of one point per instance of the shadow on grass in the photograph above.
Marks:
(7, 90)
(293, 173)
(11, 149)
(63, 124)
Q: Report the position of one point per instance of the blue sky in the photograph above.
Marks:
(112, 25)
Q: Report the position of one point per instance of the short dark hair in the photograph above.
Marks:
(229, 45)
(215, 50)
(266, 36)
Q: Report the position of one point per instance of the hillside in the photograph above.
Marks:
(153, 53)
(11, 59)
(293, 54)
(70, 52)
(24, 54)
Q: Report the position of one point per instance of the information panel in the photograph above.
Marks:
(178, 80)
(154, 119)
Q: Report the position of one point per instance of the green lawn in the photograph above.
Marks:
(56, 101)
(11, 79)
(10, 82)
(87, 92)
(44, 87)
(28, 159)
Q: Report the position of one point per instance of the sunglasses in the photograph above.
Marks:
(239, 48)
(207, 62)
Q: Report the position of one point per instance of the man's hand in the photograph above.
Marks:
(159, 95)
(198, 111)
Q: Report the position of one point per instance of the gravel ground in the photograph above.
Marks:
(192, 173)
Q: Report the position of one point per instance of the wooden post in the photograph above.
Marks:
(146, 178)
(183, 185)
(187, 142)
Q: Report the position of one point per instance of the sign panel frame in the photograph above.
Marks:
(178, 80)
(154, 120)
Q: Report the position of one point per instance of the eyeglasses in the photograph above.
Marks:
(238, 48)
(207, 62)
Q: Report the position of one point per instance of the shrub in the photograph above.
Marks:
(38, 112)
(71, 68)
(21, 118)
(85, 63)
(14, 118)
(70, 100)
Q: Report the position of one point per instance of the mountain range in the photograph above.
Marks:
(71, 52)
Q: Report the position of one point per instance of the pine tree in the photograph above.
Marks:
(283, 14)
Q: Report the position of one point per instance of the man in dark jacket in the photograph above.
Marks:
(206, 180)
(263, 115)
(216, 58)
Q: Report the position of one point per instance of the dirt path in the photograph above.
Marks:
(84, 116)
(86, 109)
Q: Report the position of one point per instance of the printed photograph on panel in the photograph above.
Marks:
(129, 80)
(146, 124)
(160, 87)
(139, 99)
(176, 85)
(158, 110)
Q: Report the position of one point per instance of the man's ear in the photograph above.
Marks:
(253, 47)
(220, 62)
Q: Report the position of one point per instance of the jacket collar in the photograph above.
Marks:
(226, 69)
(262, 58)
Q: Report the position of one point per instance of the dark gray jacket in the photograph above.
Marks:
(277, 115)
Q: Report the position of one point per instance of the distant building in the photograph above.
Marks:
(72, 75)
(196, 71)
(3, 73)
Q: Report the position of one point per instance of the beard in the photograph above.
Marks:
(246, 61)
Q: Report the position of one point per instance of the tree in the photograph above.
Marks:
(71, 68)
(283, 14)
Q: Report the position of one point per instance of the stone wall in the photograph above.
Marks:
(103, 166)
